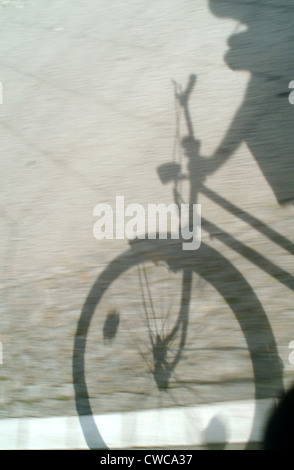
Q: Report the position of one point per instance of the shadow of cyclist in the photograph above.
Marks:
(265, 119)
(265, 122)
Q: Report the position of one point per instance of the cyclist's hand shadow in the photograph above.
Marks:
(199, 168)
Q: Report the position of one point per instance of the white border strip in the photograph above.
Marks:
(229, 422)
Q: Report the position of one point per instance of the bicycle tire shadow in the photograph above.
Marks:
(216, 270)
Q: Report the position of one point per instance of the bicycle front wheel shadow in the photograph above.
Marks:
(168, 342)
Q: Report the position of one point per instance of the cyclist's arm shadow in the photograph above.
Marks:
(265, 119)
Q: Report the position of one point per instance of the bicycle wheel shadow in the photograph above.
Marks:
(222, 275)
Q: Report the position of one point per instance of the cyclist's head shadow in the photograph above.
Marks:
(265, 45)
(265, 119)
